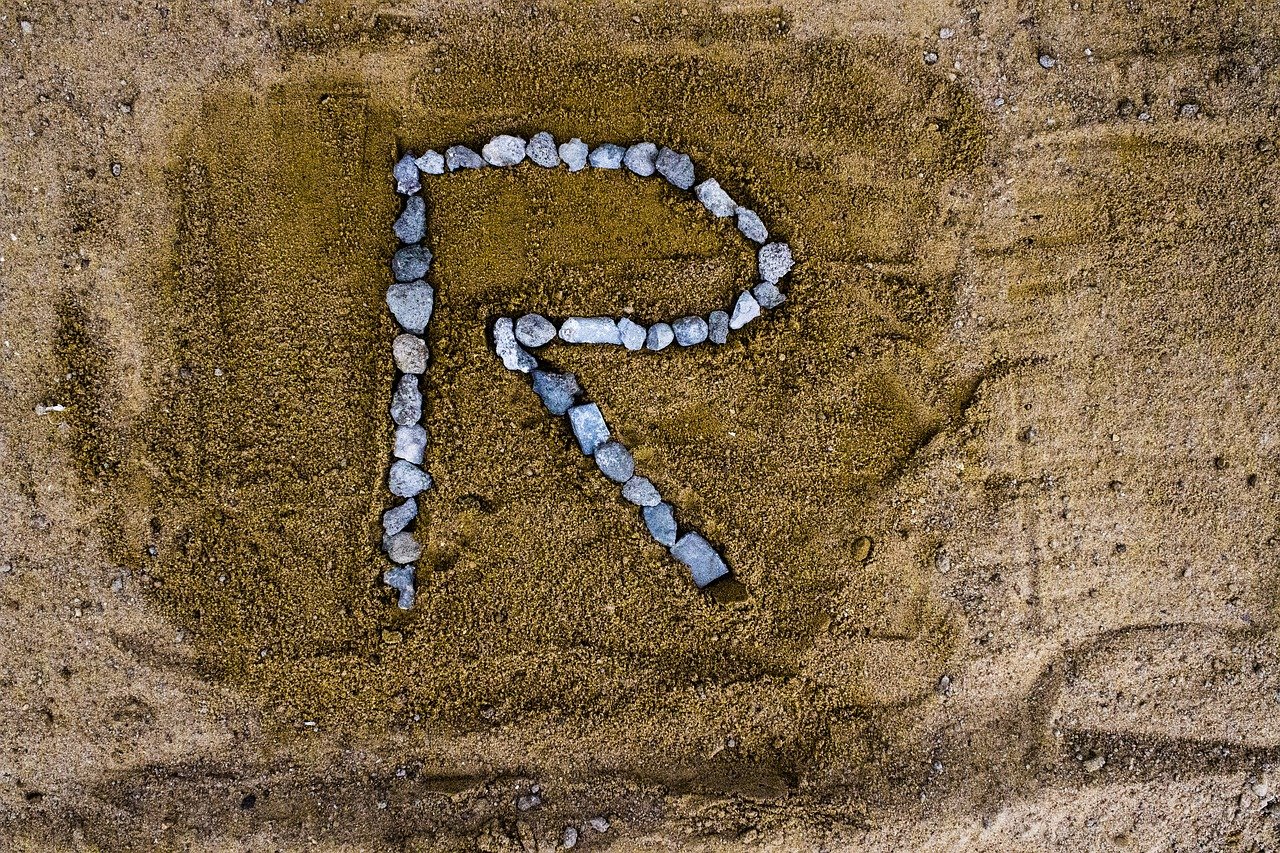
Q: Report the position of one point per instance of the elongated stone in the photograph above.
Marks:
(751, 226)
(660, 337)
(632, 334)
(461, 157)
(401, 547)
(775, 261)
(407, 480)
(411, 262)
(542, 150)
(406, 175)
(768, 295)
(409, 353)
(590, 330)
(689, 331)
(412, 224)
(661, 522)
(557, 390)
(401, 580)
(504, 150)
(574, 154)
(640, 158)
(406, 402)
(588, 427)
(431, 163)
(398, 517)
(704, 563)
(504, 344)
(744, 311)
(534, 330)
(411, 443)
(641, 492)
(614, 461)
(715, 199)
(676, 168)
(718, 327)
(607, 156)
(411, 303)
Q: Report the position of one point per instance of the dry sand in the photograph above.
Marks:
(1028, 354)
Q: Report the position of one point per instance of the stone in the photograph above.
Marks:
(534, 330)
(570, 838)
(431, 163)
(411, 303)
(406, 402)
(745, 310)
(861, 549)
(411, 443)
(661, 522)
(599, 824)
(558, 391)
(689, 331)
(409, 353)
(751, 226)
(398, 517)
(461, 157)
(774, 261)
(542, 150)
(412, 224)
(614, 461)
(401, 580)
(574, 154)
(401, 548)
(715, 199)
(660, 337)
(676, 168)
(607, 156)
(768, 295)
(632, 334)
(641, 492)
(590, 330)
(407, 480)
(411, 262)
(504, 150)
(504, 344)
(640, 158)
(704, 563)
(588, 427)
(406, 175)
(1047, 61)
(718, 327)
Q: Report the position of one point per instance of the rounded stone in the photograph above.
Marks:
(641, 492)
(409, 353)
(534, 330)
(574, 154)
(431, 163)
(689, 331)
(640, 158)
(774, 261)
(632, 334)
(406, 402)
(660, 337)
(411, 303)
(411, 443)
(861, 549)
(614, 461)
(504, 150)
(607, 156)
(407, 480)
(401, 547)
(715, 199)
(461, 157)
(411, 262)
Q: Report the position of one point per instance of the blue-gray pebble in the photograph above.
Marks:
(661, 522)
(557, 390)
(704, 563)
(615, 462)
(411, 303)
(412, 224)
(588, 427)
(411, 262)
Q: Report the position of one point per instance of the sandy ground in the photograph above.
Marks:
(1028, 354)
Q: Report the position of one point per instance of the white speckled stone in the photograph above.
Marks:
(534, 330)
(542, 150)
(676, 168)
(574, 154)
(401, 580)
(401, 547)
(398, 517)
(406, 402)
(588, 427)
(632, 333)
(640, 158)
(614, 461)
(715, 199)
(689, 331)
(409, 353)
(407, 480)
(461, 157)
(411, 443)
(641, 492)
(660, 337)
(751, 226)
(411, 303)
(718, 327)
(590, 330)
(744, 311)
(774, 261)
(768, 295)
(661, 522)
(504, 150)
(504, 344)
(431, 163)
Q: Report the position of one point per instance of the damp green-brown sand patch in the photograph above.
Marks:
(541, 597)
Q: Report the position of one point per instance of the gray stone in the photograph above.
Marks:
(407, 480)
(504, 150)
(534, 330)
(411, 443)
(398, 517)
(542, 150)
(406, 174)
(409, 353)
(588, 427)
(768, 295)
(401, 548)
(744, 311)
(774, 261)
(607, 156)
(704, 563)
(614, 461)
(661, 522)
(641, 492)
(431, 163)
(718, 327)
(411, 262)
(1047, 61)
(504, 344)
(411, 303)
(461, 157)
(689, 331)
(715, 199)
(751, 226)
(412, 224)
(401, 580)
(676, 168)
(406, 402)
(660, 337)
(590, 330)
(632, 334)
(640, 158)
(570, 838)
(574, 154)
(557, 390)
(599, 824)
